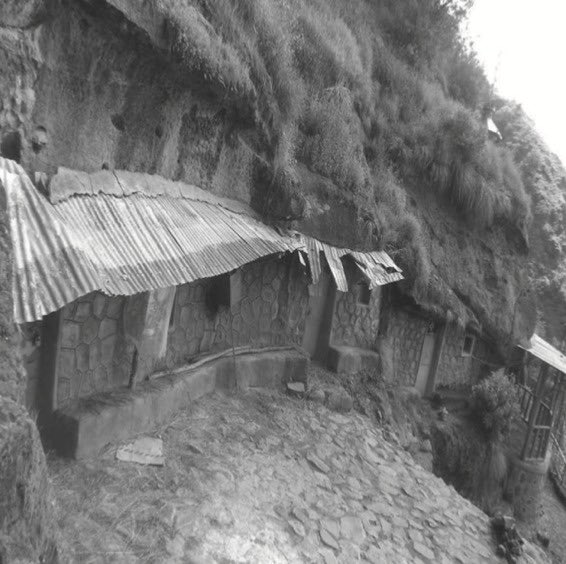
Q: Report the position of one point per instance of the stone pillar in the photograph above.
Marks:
(525, 484)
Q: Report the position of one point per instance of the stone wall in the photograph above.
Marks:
(454, 368)
(94, 355)
(271, 311)
(406, 333)
(356, 324)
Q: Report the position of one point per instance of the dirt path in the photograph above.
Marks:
(263, 478)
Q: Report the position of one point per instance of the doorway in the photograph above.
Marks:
(425, 363)
(319, 317)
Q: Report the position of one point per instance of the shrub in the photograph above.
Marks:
(495, 406)
(332, 144)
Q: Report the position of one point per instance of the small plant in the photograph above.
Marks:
(495, 405)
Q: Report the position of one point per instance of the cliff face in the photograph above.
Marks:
(27, 530)
(544, 178)
(322, 115)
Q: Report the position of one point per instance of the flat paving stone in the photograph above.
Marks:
(257, 477)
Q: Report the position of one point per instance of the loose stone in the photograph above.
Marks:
(328, 539)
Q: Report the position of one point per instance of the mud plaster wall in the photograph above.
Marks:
(272, 311)
(94, 355)
(406, 333)
(355, 324)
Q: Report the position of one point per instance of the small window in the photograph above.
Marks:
(363, 293)
(224, 290)
(468, 346)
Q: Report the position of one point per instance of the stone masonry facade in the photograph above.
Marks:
(407, 333)
(270, 312)
(454, 368)
(93, 354)
(96, 356)
(354, 323)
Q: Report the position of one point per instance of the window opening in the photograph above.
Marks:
(468, 346)
(363, 293)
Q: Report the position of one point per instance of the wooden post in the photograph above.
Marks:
(535, 408)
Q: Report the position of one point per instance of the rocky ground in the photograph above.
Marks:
(263, 478)
(552, 522)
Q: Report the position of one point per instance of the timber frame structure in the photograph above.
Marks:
(542, 404)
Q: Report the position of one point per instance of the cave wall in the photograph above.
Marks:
(105, 97)
(27, 529)
(544, 177)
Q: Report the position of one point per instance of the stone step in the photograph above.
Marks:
(351, 359)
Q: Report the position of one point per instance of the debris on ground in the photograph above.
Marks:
(339, 400)
(509, 542)
(543, 538)
(145, 450)
(296, 389)
(317, 395)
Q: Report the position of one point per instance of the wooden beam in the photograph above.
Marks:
(543, 373)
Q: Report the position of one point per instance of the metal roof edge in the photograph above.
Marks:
(546, 352)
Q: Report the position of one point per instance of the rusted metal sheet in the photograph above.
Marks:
(48, 270)
(377, 266)
(547, 353)
(124, 233)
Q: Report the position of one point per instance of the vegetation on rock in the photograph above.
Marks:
(376, 97)
(495, 406)
(544, 178)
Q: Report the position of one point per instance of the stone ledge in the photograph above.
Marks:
(351, 359)
(81, 430)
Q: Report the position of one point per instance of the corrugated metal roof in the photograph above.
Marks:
(49, 271)
(125, 233)
(547, 353)
(377, 266)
